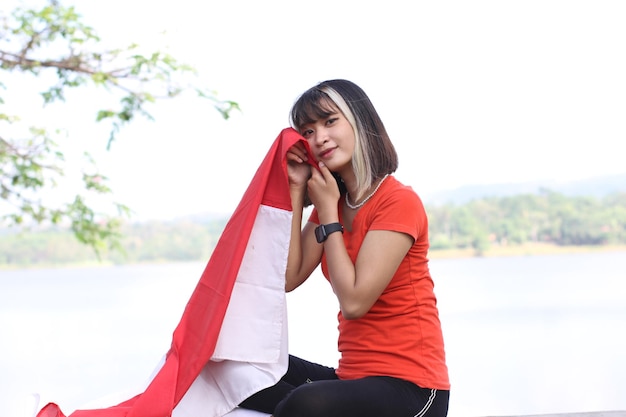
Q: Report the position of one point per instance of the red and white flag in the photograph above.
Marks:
(231, 340)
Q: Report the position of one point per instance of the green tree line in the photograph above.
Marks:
(147, 242)
(546, 217)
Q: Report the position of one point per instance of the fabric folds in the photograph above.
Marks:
(231, 340)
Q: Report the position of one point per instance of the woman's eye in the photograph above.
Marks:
(306, 133)
(331, 120)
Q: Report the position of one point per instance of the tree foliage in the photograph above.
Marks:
(150, 242)
(53, 45)
(547, 217)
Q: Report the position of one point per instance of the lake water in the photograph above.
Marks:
(524, 335)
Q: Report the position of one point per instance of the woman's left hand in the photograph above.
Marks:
(324, 193)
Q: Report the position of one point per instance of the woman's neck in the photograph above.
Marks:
(352, 199)
(349, 180)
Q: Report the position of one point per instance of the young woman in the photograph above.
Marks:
(370, 234)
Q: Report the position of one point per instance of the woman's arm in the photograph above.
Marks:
(304, 252)
(359, 285)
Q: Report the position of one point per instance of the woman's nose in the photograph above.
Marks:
(321, 136)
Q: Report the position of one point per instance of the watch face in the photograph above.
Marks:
(320, 234)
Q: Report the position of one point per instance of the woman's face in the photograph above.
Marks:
(331, 140)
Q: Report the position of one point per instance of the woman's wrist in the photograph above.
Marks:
(328, 217)
(297, 194)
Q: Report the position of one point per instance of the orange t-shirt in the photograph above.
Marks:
(400, 336)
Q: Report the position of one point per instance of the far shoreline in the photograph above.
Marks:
(535, 249)
(529, 249)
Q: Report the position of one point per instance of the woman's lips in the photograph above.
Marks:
(326, 153)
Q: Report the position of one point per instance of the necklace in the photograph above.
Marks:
(356, 206)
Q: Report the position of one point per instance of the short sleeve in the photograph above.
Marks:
(400, 211)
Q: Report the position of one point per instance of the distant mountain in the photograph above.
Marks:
(592, 187)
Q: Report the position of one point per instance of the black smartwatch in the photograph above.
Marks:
(323, 230)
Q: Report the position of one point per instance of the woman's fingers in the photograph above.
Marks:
(297, 153)
(322, 184)
(328, 176)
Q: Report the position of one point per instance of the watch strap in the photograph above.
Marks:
(323, 230)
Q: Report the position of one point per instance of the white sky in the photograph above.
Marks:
(471, 91)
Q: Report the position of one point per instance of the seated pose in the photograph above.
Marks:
(370, 234)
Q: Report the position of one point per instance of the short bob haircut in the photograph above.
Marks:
(374, 154)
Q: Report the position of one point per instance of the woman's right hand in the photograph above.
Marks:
(298, 169)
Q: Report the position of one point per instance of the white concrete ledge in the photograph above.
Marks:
(616, 413)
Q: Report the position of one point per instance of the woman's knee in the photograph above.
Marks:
(304, 401)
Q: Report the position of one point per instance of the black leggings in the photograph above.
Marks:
(312, 390)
